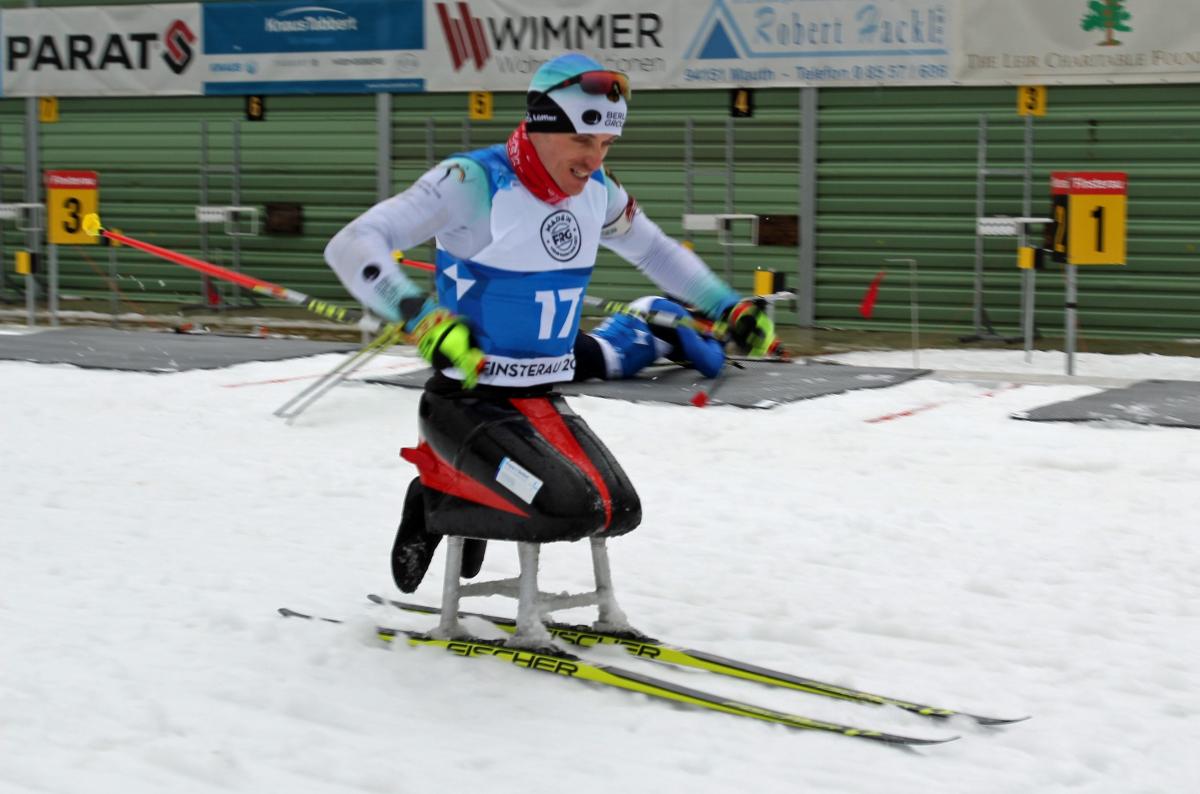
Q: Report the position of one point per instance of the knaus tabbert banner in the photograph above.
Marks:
(1080, 41)
(98, 51)
(336, 46)
(498, 44)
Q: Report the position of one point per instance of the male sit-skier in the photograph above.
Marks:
(518, 224)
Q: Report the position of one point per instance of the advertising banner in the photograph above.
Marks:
(1080, 41)
(101, 50)
(398, 46)
(498, 44)
(346, 46)
(774, 43)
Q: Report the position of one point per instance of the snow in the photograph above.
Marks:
(1016, 364)
(151, 524)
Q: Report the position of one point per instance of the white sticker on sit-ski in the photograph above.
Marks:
(517, 479)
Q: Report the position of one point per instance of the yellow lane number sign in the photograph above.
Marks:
(480, 105)
(1031, 100)
(70, 197)
(1089, 216)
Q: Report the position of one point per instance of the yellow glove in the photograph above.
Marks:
(445, 340)
(750, 329)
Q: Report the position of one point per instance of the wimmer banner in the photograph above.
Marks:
(370, 46)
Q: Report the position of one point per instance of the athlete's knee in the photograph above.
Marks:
(568, 505)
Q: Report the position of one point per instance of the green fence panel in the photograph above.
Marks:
(897, 178)
(318, 152)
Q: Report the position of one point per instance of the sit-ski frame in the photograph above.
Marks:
(533, 605)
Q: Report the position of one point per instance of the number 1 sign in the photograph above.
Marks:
(1089, 216)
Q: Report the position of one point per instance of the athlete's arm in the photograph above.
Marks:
(447, 197)
(674, 268)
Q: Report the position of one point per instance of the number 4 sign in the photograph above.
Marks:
(70, 197)
(1089, 216)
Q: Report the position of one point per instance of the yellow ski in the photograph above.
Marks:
(565, 664)
(654, 650)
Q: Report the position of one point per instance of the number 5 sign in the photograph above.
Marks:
(1089, 216)
(70, 197)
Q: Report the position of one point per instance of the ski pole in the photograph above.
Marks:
(339, 374)
(331, 311)
(702, 396)
(716, 329)
(93, 227)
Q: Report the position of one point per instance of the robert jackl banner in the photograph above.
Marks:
(101, 51)
(776, 43)
(497, 45)
(1080, 41)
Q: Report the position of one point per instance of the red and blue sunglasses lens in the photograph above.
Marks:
(613, 85)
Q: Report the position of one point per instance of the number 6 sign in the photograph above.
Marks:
(1089, 216)
(70, 197)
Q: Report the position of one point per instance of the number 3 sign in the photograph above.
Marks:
(70, 197)
(1089, 216)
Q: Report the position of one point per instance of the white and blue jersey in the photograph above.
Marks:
(515, 267)
(522, 293)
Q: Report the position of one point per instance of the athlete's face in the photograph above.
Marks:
(571, 158)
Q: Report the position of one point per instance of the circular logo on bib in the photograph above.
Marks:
(560, 236)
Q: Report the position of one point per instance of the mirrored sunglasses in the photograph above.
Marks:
(613, 85)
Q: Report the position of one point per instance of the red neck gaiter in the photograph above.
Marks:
(529, 168)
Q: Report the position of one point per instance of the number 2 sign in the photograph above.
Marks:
(70, 197)
(1089, 216)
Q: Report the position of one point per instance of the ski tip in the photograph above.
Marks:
(291, 613)
(375, 598)
(996, 721)
(913, 741)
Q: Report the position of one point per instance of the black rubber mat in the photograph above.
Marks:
(1170, 403)
(755, 385)
(149, 351)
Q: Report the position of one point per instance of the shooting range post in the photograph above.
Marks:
(70, 196)
(1089, 229)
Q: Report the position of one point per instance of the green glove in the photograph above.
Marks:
(445, 340)
(750, 329)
